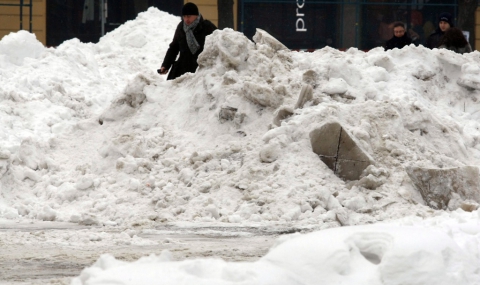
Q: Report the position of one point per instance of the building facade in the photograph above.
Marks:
(28, 15)
(299, 24)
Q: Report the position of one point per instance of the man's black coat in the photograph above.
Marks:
(187, 62)
(396, 42)
(433, 41)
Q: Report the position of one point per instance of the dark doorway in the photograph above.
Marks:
(125, 10)
(173, 7)
(67, 19)
(82, 19)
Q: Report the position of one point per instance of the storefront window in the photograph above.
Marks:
(420, 18)
(300, 25)
(365, 24)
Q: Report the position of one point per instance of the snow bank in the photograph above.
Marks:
(434, 251)
(91, 134)
(15, 48)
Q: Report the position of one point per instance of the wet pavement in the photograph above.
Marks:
(26, 259)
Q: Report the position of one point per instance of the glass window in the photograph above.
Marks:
(420, 20)
(365, 24)
(298, 25)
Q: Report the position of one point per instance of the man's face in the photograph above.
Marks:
(188, 19)
(399, 31)
(444, 26)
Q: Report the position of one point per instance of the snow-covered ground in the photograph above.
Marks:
(91, 135)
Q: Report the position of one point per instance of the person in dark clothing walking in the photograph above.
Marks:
(400, 38)
(456, 41)
(189, 40)
(445, 22)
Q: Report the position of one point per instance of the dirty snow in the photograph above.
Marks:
(90, 134)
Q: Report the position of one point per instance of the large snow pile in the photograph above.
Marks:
(91, 134)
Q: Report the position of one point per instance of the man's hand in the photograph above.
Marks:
(162, 70)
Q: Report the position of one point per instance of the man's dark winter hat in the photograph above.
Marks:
(446, 17)
(189, 9)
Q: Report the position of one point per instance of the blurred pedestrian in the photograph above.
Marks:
(455, 40)
(445, 22)
(189, 40)
(400, 38)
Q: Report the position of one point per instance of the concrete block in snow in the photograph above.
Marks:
(339, 151)
(437, 185)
